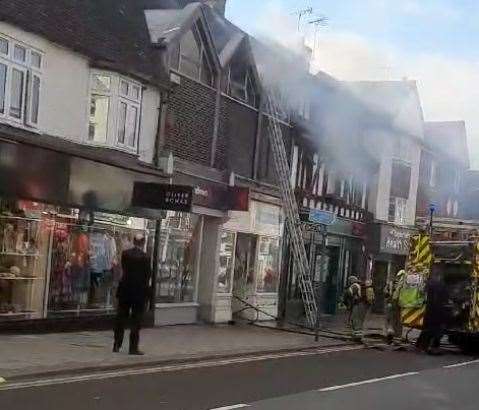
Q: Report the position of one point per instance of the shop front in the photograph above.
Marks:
(64, 223)
(334, 255)
(389, 246)
(189, 255)
(249, 263)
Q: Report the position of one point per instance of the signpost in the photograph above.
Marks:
(318, 222)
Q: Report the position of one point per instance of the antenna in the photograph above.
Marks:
(318, 23)
(301, 13)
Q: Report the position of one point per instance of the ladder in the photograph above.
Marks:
(290, 206)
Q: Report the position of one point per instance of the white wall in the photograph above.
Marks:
(379, 200)
(64, 94)
(149, 123)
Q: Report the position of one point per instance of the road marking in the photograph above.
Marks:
(171, 368)
(370, 381)
(236, 406)
(453, 366)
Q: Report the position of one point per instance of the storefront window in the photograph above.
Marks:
(57, 262)
(179, 245)
(86, 262)
(267, 278)
(23, 264)
(227, 251)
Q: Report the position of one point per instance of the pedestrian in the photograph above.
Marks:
(353, 302)
(434, 316)
(393, 325)
(132, 294)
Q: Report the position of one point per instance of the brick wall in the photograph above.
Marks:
(266, 168)
(237, 138)
(190, 122)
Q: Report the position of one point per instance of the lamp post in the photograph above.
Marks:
(432, 209)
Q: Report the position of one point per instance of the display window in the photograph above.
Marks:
(23, 265)
(227, 255)
(86, 265)
(57, 262)
(268, 263)
(251, 261)
(178, 257)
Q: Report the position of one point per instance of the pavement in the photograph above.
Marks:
(34, 356)
(329, 379)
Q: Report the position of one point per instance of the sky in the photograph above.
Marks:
(431, 41)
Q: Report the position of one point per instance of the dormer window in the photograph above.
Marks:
(190, 57)
(115, 107)
(240, 84)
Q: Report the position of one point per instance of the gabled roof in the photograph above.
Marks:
(109, 31)
(166, 25)
(449, 138)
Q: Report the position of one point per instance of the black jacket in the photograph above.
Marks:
(134, 284)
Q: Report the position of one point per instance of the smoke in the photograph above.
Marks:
(447, 85)
(348, 122)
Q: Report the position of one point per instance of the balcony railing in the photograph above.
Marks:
(333, 204)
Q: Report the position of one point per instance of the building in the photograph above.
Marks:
(165, 91)
(444, 164)
(79, 102)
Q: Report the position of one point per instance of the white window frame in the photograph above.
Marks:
(116, 98)
(400, 216)
(247, 78)
(29, 73)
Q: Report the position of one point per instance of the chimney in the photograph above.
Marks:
(218, 5)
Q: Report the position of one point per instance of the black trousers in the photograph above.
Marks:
(132, 311)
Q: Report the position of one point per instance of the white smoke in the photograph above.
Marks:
(448, 86)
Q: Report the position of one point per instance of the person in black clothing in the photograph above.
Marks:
(132, 294)
(435, 314)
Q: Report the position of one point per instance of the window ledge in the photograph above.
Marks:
(132, 151)
(176, 305)
(241, 102)
(18, 124)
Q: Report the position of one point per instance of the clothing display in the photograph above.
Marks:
(52, 264)
(85, 269)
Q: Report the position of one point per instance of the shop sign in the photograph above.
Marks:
(394, 240)
(162, 196)
(33, 173)
(225, 198)
(318, 216)
(267, 218)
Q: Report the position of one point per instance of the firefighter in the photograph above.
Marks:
(434, 316)
(393, 326)
(353, 302)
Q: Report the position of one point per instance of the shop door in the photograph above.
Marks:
(243, 283)
(379, 283)
(329, 291)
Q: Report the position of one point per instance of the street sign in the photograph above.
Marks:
(321, 217)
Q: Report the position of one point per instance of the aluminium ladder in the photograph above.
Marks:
(290, 206)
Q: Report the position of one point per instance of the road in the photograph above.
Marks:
(360, 379)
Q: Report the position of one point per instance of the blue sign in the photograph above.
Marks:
(321, 217)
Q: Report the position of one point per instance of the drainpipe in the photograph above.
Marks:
(216, 120)
(159, 144)
(257, 145)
